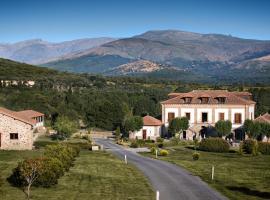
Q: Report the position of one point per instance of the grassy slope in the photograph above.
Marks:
(237, 177)
(96, 176)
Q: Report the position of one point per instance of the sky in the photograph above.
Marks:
(61, 20)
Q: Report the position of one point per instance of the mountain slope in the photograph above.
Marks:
(38, 51)
(177, 48)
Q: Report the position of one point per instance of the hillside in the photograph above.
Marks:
(203, 54)
(38, 51)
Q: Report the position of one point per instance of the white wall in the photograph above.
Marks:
(202, 110)
(237, 110)
(151, 131)
(221, 110)
(251, 112)
(188, 110)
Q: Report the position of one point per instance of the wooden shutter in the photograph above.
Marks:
(170, 117)
(237, 118)
(221, 116)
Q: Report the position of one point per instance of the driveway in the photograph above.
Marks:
(173, 182)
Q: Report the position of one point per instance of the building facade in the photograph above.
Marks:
(17, 128)
(204, 108)
(151, 129)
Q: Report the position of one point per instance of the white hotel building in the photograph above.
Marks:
(204, 108)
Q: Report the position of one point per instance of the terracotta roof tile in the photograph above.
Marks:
(24, 116)
(263, 118)
(151, 121)
(231, 97)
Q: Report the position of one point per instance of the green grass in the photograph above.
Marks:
(95, 176)
(239, 177)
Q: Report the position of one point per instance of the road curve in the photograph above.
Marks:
(173, 182)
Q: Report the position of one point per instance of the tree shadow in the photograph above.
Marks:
(247, 191)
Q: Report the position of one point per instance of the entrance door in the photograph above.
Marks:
(144, 134)
(184, 135)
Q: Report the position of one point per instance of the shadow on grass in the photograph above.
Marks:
(247, 191)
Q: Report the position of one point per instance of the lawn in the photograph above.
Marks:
(239, 177)
(95, 176)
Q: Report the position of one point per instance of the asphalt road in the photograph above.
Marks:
(173, 182)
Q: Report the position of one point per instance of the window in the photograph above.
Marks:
(188, 115)
(187, 99)
(171, 116)
(14, 136)
(221, 116)
(204, 117)
(237, 118)
(221, 100)
(204, 100)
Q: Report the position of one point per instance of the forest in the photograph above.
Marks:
(102, 102)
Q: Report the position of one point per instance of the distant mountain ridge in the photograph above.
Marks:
(207, 56)
(38, 51)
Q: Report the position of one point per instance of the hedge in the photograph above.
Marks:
(249, 146)
(264, 147)
(214, 145)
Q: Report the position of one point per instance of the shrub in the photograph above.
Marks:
(195, 156)
(163, 152)
(153, 150)
(149, 141)
(173, 142)
(264, 147)
(134, 144)
(214, 145)
(140, 142)
(250, 146)
(159, 140)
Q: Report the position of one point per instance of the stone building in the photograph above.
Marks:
(17, 128)
(204, 108)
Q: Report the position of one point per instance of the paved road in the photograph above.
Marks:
(173, 182)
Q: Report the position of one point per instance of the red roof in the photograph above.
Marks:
(263, 118)
(24, 116)
(231, 97)
(151, 121)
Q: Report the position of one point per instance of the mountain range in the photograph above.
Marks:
(208, 56)
(38, 51)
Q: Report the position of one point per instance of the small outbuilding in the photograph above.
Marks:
(152, 129)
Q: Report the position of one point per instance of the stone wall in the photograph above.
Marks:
(25, 134)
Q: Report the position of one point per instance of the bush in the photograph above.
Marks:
(134, 144)
(264, 147)
(214, 145)
(140, 142)
(163, 152)
(195, 156)
(149, 141)
(250, 146)
(159, 140)
(153, 150)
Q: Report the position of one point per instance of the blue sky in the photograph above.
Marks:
(60, 20)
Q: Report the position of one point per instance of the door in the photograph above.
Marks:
(144, 134)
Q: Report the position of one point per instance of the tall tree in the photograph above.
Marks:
(65, 126)
(223, 127)
(133, 123)
(178, 125)
(265, 130)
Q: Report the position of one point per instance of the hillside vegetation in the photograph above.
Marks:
(103, 102)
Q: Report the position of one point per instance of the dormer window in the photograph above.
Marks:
(187, 99)
(221, 100)
(204, 100)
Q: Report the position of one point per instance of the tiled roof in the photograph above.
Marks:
(151, 121)
(30, 113)
(24, 116)
(263, 118)
(236, 98)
